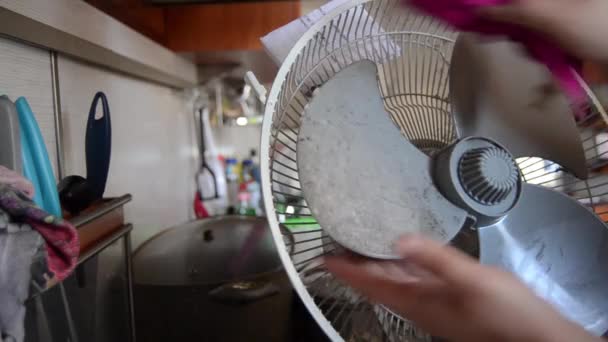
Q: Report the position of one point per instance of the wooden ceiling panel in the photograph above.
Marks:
(235, 26)
(145, 19)
(595, 73)
(209, 27)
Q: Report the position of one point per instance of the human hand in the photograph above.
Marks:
(579, 26)
(451, 295)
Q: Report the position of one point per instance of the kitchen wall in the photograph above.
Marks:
(311, 5)
(154, 151)
(235, 141)
(26, 71)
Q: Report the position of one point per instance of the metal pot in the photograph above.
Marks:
(212, 280)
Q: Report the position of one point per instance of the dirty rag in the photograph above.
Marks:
(17, 181)
(463, 15)
(18, 246)
(37, 250)
(60, 237)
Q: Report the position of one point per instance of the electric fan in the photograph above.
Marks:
(383, 122)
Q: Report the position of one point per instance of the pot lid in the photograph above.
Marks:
(207, 251)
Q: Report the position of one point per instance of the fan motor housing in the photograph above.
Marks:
(480, 176)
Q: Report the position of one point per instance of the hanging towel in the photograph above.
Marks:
(14, 179)
(462, 14)
(60, 237)
(18, 246)
(36, 249)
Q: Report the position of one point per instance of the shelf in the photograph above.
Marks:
(98, 227)
(600, 166)
(601, 209)
(104, 243)
(597, 123)
(101, 220)
(103, 207)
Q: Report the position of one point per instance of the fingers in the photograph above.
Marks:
(399, 271)
(427, 264)
(360, 269)
(381, 281)
(445, 262)
(426, 273)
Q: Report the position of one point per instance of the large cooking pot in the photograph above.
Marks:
(217, 279)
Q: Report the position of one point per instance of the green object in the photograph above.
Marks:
(301, 223)
(297, 223)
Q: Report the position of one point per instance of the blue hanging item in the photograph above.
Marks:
(36, 164)
(29, 170)
(76, 193)
(98, 147)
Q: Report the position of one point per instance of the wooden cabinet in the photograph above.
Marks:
(594, 73)
(147, 20)
(200, 28)
(236, 26)
(602, 211)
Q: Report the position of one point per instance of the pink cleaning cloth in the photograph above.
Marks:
(17, 181)
(462, 14)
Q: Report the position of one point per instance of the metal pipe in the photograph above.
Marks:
(57, 114)
(68, 314)
(129, 274)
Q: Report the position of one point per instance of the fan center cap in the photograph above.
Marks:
(480, 176)
(488, 174)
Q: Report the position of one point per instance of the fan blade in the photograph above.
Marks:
(497, 92)
(558, 248)
(364, 182)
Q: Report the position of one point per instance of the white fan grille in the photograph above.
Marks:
(412, 53)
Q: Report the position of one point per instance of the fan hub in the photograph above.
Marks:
(488, 174)
(480, 176)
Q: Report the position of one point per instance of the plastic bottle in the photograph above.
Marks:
(251, 184)
(255, 168)
(232, 179)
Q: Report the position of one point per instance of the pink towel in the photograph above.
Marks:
(17, 181)
(462, 14)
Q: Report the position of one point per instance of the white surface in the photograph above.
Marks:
(267, 126)
(279, 42)
(154, 152)
(237, 142)
(364, 183)
(26, 71)
(84, 21)
(209, 184)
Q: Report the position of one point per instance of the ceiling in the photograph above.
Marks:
(219, 37)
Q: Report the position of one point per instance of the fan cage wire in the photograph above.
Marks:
(412, 53)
